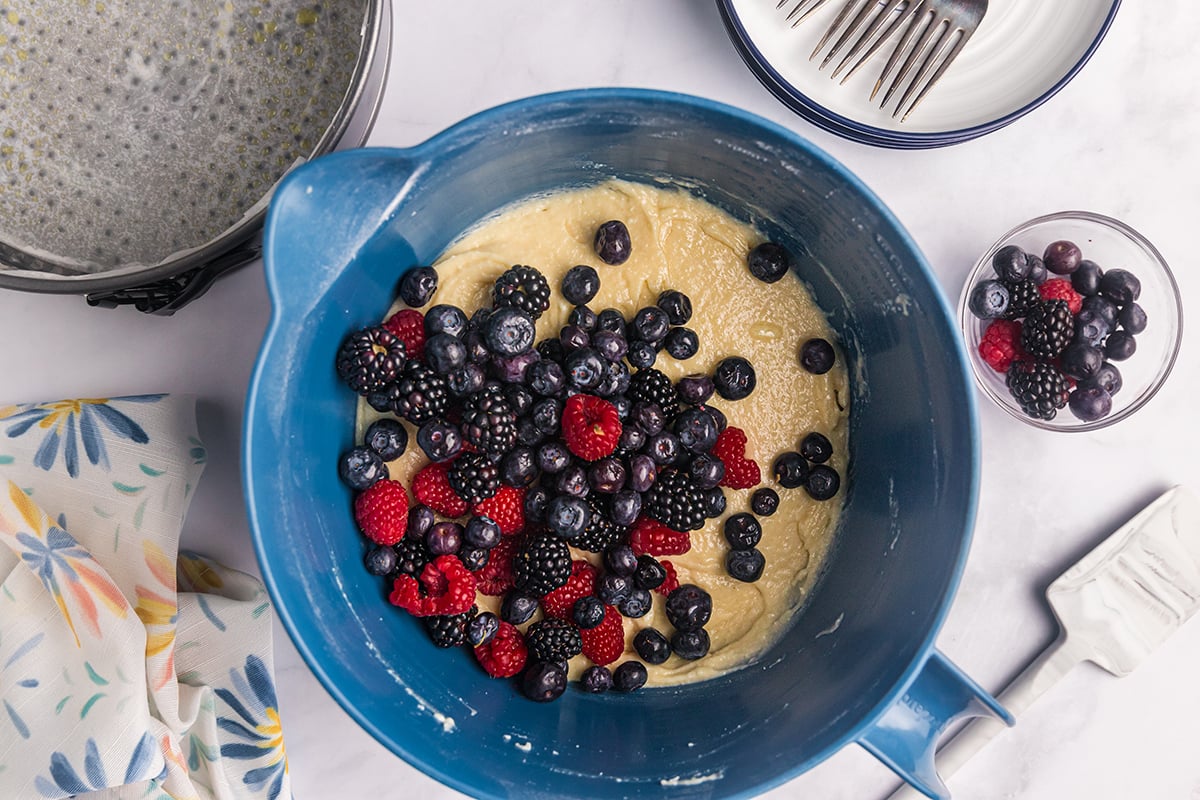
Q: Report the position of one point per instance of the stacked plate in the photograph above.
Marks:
(1023, 52)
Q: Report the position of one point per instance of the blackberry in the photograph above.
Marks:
(675, 501)
(553, 639)
(449, 630)
(1038, 388)
(601, 532)
(474, 477)
(370, 359)
(419, 394)
(488, 421)
(1023, 297)
(524, 288)
(411, 556)
(541, 564)
(1047, 329)
(650, 385)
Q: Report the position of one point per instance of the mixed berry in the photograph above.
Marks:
(562, 474)
(1055, 324)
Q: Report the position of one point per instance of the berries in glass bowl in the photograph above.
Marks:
(1072, 321)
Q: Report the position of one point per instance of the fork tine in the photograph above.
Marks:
(803, 7)
(903, 7)
(861, 17)
(922, 21)
(837, 24)
(947, 57)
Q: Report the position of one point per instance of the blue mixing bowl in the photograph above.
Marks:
(858, 666)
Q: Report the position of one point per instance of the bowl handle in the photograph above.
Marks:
(322, 216)
(905, 737)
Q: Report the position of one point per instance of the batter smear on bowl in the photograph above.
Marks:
(602, 439)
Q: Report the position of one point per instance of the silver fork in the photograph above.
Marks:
(936, 34)
(801, 10)
(871, 21)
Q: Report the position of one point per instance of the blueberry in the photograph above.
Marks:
(1120, 286)
(580, 284)
(596, 679)
(420, 519)
(482, 628)
(444, 538)
(642, 472)
(466, 380)
(822, 482)
(551, 349)
(637, 604)
(642, 354)
(588, 612)
(607, 475)
(445, 353)
(682, 343)
(696, 430)
(509, 332)
(584, 369)
(1119, 345)
(360, 467)
(769, 262)
(1102, 307)
(695, 389)
(689, 607)
(616, 379)
(546, 415)
(519, 467)
(620, 559)
(817, 356)
(517, 608)
(734, 378)
(514, 369)
(612, 242)
(573, 481)
(652, 646)
(440, 440)
(567, 516)
(706, 471)
(743, 531)
(625, 507)
(582, 317)
(1086, 278)
(477, 351)
(1090, 403)
(388, 438)
(816, 448)
(650, 324)
(573, 337)
(718, 417)
(417, 286)
(713, 502)
(528, 434)
(445, 319)
(536, 500)
(1091, 327)
(632, 439)
(1131, 316)
(546, 378)
(790, 470)
(629, 676)
(519, 397)
(380, 560)
(1062, 257)
(690, 645)
(544, 681)
(482, 532)
(611, 346)
(473, 558)
(677, 305)
(552, 457)
(610, 319)
(1037, 269)
(649, 573)
(745, 565)
(612, 588)
(989, 299)
(649, 417)
(1108, 378)
(1081, 360)
(764, 501)
(1011, 263)
(664, 448)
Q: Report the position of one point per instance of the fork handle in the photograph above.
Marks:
(1043, 672)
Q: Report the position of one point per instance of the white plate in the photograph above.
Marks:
(1023, 52)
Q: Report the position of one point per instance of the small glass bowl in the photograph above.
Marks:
(1111, 244)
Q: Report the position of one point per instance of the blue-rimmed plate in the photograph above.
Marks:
(1022, 54)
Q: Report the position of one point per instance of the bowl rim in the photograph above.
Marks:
(469, 128)
(967, 320)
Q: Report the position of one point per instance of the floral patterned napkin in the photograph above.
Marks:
(128, 669)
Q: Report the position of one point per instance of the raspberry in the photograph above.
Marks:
(590, 426)
(1001, 344)
(432, 487)
(649, 537)
(495, 578)
(561, 601)
(1061, 289)
(671, 583)
(381, 511)
(506, 508)
(408, 325)
(605, 643)
(445, 587)
(740, 472)
(505, 655)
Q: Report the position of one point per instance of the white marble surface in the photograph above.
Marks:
(1120, 140)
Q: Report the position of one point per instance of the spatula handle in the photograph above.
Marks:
(1043, 672)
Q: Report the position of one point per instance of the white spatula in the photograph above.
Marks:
(1114, 607)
